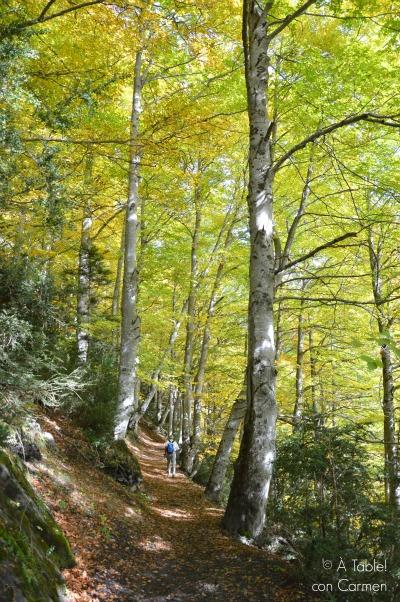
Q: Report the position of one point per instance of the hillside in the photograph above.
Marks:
(161, 543)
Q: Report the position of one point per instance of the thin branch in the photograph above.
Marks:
(14, 28)
(330, 243)
(335, 300)
(45, 10)
(388, 120)
(289, 18)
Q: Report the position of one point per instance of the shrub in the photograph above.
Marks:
(95, 410)
(326, 494)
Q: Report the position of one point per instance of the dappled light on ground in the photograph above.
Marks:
(163, 543)
(174, 514)
(156, 544)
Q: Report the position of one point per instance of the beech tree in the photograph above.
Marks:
(245, 512)
(167, 285)
(130, 326)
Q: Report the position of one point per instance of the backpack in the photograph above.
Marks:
(170, 448)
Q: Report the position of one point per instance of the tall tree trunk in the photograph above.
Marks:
(317, 413)
(83, 297)
(142, 408)
(117, 286)
(389, 430)
(217, 477)
(245, 512)
(130, 327)
(299, 403)
(187, 401)
(172, 403)
(392, 467)
(313, 373)
(201, 370)
(158, 405)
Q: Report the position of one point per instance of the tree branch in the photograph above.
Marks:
(46, 9)
(334, 300)
(388, 120)
(300, 212)
(13, 29)
(289, 18)
(330, 243)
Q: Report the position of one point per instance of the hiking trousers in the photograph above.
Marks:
(171, 464)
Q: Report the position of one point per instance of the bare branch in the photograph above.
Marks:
(14, 28)
(388, 120)
(46, 9)
(289, 18)
(335, 300)
(330, 243)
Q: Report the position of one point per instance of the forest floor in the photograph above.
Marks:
(162, 543)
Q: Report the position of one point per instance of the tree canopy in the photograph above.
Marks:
(150, 153)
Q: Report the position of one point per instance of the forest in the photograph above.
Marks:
(199, 240)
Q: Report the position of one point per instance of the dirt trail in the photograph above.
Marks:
(162, 544)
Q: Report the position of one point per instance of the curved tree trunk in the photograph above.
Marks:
(187, 401)
(216, 481)
(201, 370)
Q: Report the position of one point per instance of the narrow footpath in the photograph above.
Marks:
(161, 544)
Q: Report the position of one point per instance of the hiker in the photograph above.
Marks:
(170, 449)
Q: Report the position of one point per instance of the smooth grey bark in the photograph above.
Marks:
(164, 415)
(299, 402)
(83, 296)
(278, 330)
(390, 438)
(313, 373)
(202, 364)
(142, 408)
(130, 327)
(172, 402)
(118, 277)
(245, 512)
(188, 398)
(217, 477)
(384, 321)
(158, 400)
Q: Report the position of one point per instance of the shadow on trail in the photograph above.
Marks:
(186, 555)
(163, 543)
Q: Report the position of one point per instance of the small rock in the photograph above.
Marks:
(26, 450)
(49, 440)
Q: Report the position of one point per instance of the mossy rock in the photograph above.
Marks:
(122, 464)
(33, 548)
